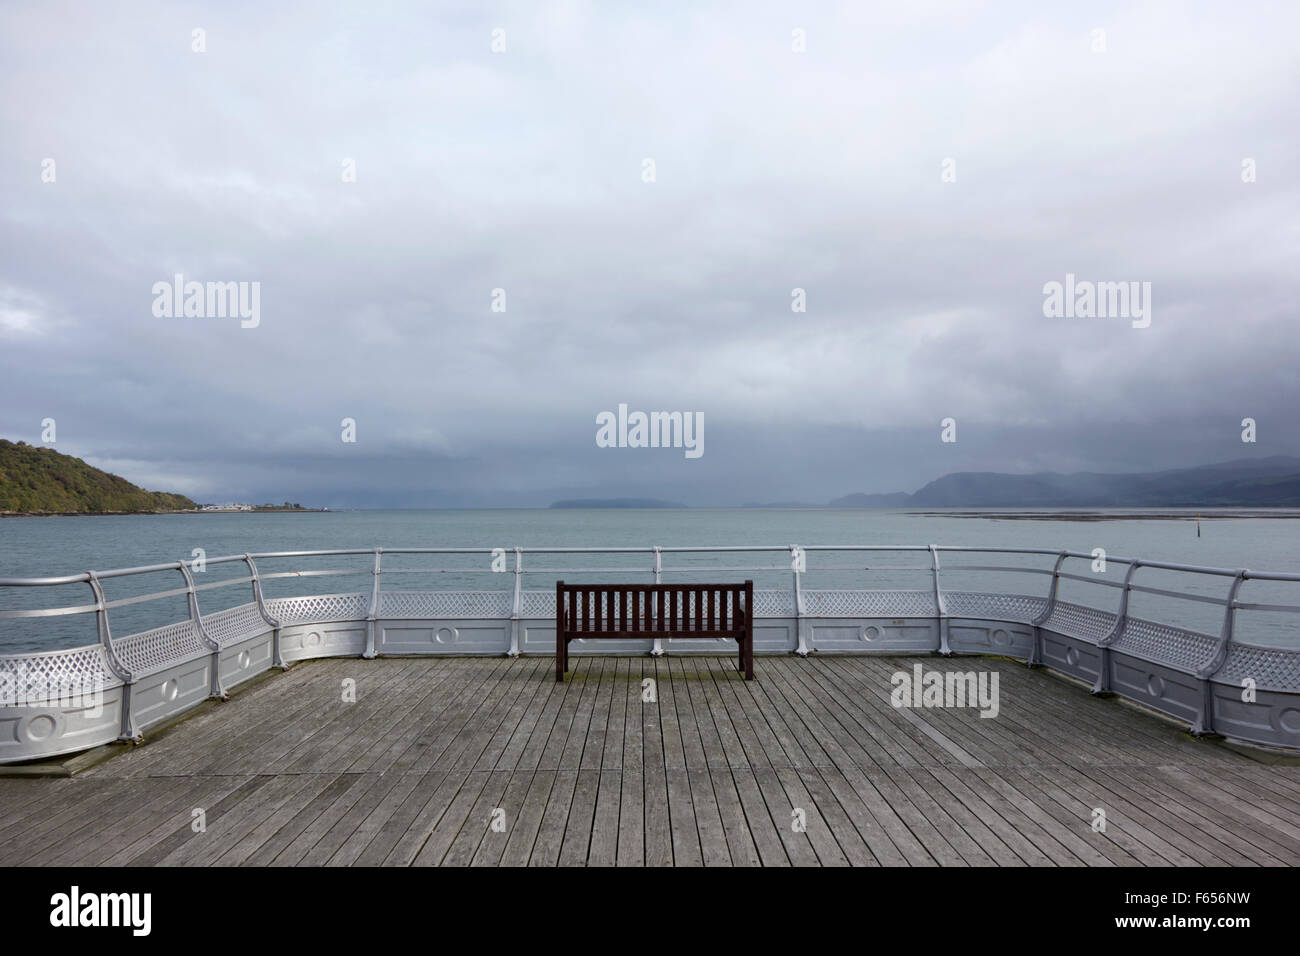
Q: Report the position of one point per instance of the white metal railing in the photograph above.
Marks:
(1103, 632)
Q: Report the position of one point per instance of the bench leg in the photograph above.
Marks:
(749, 658)
(561, 646)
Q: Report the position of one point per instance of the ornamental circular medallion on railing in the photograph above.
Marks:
(40, 726)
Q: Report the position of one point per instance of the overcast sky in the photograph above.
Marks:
(524, 170)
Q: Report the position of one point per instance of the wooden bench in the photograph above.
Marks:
(597, 611)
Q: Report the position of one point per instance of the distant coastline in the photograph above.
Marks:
(180, 511)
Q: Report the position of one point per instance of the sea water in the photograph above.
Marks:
(38, 547)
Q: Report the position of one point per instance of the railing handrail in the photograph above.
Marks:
(84, 576)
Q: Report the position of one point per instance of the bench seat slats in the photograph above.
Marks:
(646, 635)
(614, 611)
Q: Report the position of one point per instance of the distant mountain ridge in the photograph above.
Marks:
(1244, 482)
(36, 480)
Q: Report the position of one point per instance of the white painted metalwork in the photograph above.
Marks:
(155, 674)
(517, 604)
(944, 648)
(796, 602)
(657, 648)
(373, 608)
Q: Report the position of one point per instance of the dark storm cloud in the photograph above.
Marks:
(523, 171)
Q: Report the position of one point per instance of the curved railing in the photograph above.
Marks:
(1188, 656)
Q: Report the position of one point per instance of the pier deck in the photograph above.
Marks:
(715, 771)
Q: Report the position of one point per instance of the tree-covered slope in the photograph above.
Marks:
(35, 480)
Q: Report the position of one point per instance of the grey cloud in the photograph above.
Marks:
(522, 171)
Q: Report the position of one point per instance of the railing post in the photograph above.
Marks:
(369, 652)
(1204, 723)
(657, 648)
(1102, 685)
(215, 689)
(517, 605)
(1036, 654)
(800, 624)
(940, 608)
(276, 659)
(128, 730)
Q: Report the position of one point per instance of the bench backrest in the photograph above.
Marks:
(650, 609)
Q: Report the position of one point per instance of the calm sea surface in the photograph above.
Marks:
(31, 547)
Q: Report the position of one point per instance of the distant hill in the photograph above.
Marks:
(616, 503)
(1258, 481)
(36, 480)
(1247, 482)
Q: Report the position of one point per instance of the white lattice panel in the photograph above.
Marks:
(27, 678)
(538, 605)
(1085, 623)
(234, 624)
(1163, 644)
(319, 608)
(868, 604)
(1018, 608)
(773, 603)
(446, 605)
(151, 651)
(1271, 668)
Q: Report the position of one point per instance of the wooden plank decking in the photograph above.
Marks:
(712, 773)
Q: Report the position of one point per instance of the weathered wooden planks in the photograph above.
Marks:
(642, 761)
